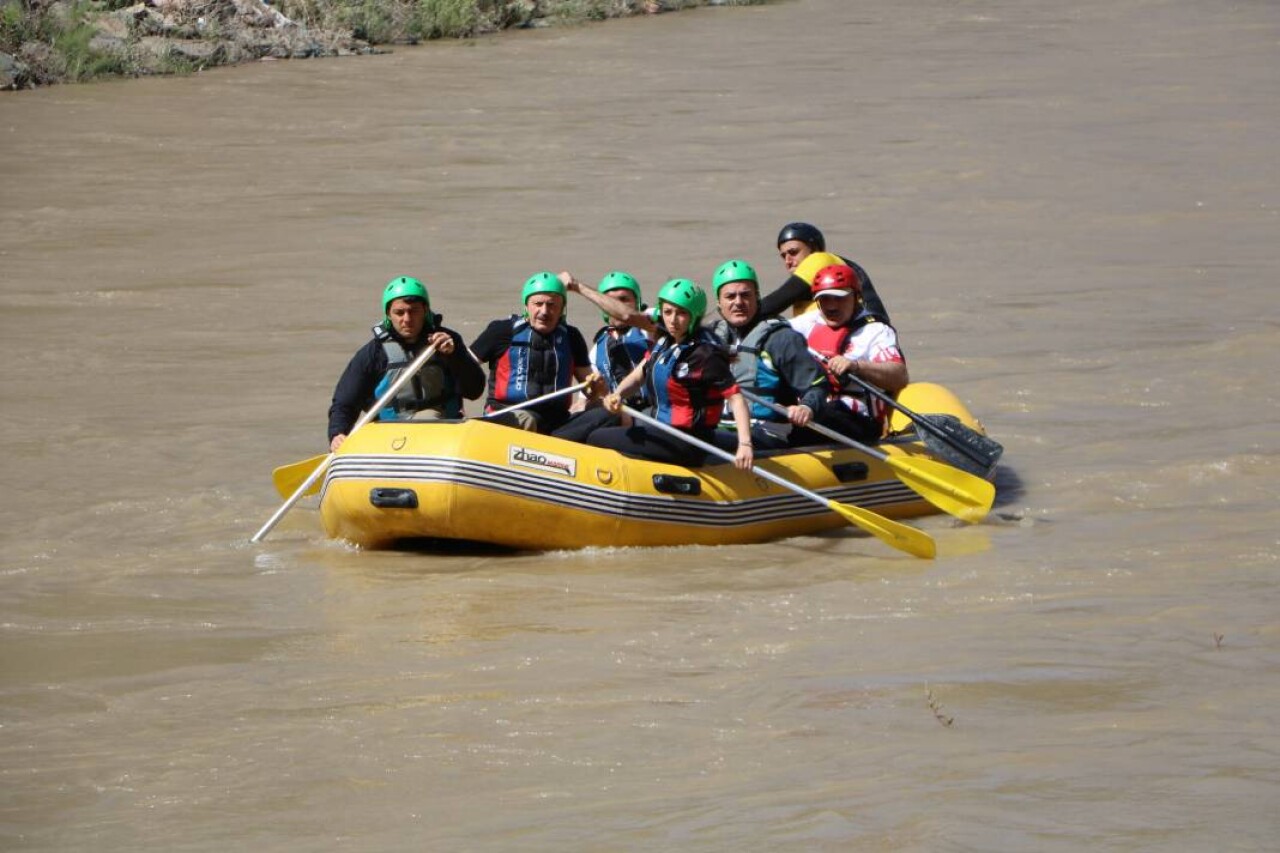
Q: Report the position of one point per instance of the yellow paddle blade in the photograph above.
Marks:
(951, 490)
(901, 536)
(288, 477)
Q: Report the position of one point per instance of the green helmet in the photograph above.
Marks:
(618, 280)
(404, 288)
(731, 271)
(683, 293)
(543, 282)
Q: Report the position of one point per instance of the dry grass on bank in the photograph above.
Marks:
(57, 41)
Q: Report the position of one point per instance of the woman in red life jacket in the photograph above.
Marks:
(686, 379)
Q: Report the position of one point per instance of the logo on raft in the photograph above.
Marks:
(527, 458)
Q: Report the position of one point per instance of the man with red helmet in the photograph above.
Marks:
(851, 341)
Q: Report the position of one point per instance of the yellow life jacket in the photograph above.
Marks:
(808, 270)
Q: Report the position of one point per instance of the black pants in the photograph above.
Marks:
(545, 421)
(641, 442)
(582, 424)
(836, 417)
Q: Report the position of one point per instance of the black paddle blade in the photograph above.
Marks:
(946, 437)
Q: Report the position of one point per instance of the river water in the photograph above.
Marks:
(1071, 210)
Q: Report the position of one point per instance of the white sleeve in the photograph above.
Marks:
(876, 342)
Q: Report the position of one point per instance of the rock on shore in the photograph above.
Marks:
(52, 41)
(166, 36)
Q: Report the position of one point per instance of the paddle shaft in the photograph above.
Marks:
(725, 455)
(387, 396)
(286, 476)
(955, 492)
(900, 536)
(819, 428)
(918, 420)
(536, 400)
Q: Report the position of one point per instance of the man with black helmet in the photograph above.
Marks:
(408, 327)
(796, 242)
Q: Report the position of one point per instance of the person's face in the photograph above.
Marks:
(793, 252)
(676, 319)
(738, 302)
(623, 295)
(837, 310)
(407, 316)
(544, 311)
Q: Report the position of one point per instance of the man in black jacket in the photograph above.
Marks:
(796, 242)
(769, 359)
(409, 327)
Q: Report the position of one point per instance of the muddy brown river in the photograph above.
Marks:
(1073, 213)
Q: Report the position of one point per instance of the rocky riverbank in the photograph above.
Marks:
(57, 41)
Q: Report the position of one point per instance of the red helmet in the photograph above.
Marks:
(835, 280)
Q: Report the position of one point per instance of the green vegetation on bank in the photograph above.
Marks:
(54, 41)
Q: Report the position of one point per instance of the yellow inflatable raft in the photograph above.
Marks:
(476, 481)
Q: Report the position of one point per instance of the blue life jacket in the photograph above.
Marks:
(616, 356)
(533, 365)
(679, 396)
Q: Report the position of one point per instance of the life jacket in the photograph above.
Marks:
(616, 356)
(752, 368)
(832, 342)
(533, 365)
(432, 387)
(808, 270)
(679, 395)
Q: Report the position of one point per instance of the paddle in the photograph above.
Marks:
(951, 490)
(900, 536)
(387, 396)
(287, 478)
(944, 435)
(544, 397)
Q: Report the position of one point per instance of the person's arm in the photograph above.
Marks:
(745, 456)
(466, 370)
(714, 365)
(870, 299)
(892, 376)
(353, 392)
(885, 368)
(790, 356)
(889, 376)
(622, 313)
(793, 290)
(492, 342)
(581, 356)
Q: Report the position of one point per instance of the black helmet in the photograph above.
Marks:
(805, 233)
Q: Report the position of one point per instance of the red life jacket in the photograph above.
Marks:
(830, 342)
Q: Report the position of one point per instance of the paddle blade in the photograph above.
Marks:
(901, 536)
(955, 492)
(288, 477)
(949, 439)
